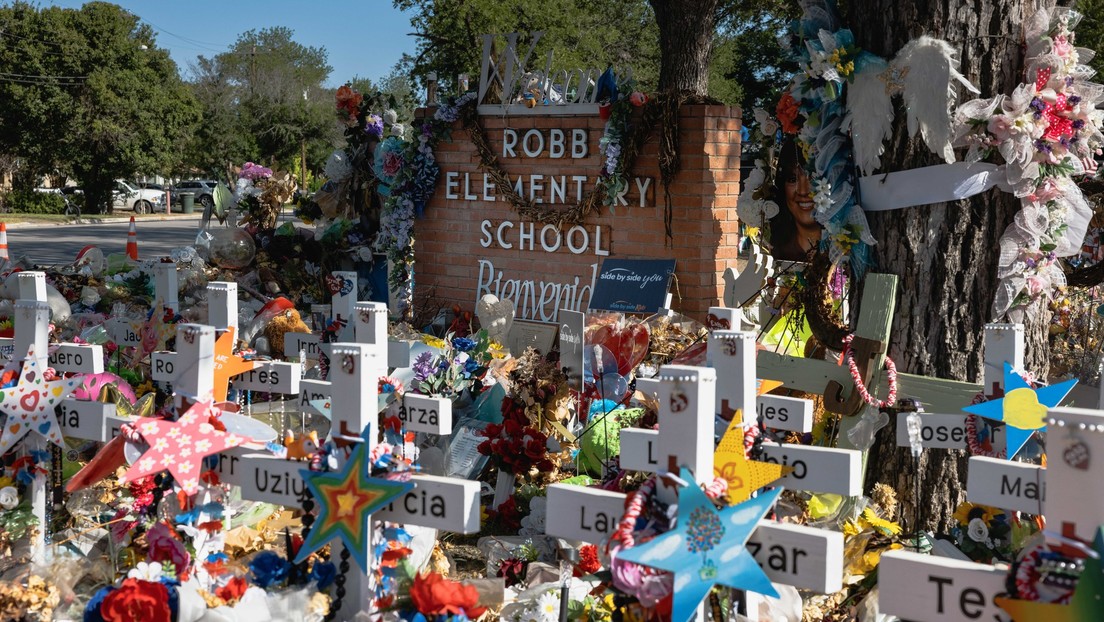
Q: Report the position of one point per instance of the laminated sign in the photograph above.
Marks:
(632, 285)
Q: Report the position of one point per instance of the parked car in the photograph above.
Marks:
(143, 201)
(203, 189)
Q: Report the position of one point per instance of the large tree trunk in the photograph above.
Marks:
(686, 29)
(945, 254)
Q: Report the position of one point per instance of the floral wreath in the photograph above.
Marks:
(1046, 132)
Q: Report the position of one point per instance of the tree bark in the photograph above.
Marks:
(686, 29)
(945, 255)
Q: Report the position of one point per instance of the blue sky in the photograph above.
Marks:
(362, 38)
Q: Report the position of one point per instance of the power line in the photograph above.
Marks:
(44, 77)
(5, 33)
(202, 44)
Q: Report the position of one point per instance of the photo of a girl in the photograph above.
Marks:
(794, 233)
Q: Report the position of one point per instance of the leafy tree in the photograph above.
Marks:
(264, 99)
(749, 66)
(1090, 32)
(582, 34)
(86, 93)
(396, 86)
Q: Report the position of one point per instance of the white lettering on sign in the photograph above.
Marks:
(922, 587)
(163, 366)
(272, 480)
(804, 557)
(77, 359)
(541, 188)
(271, 377)
(83, 420)
(538, 301)
(1008, 485)
(445, 503)
(585, 514)
(638, 450)
(943, 432)
(578, 239)
(422, 413)
(817, 469)
(306, 342)
(312, 391)
(785, 413)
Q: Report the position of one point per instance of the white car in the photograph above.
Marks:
(143, 201)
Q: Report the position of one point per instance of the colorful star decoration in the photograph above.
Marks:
(346, 499)
(30, 404)
(228, 364)
(180, 446)
(1022, 408)
(707, 548)
(743, 476)
(1087, 602)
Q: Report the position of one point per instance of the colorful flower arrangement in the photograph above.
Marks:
(459, 368)
(261, 194)
(1047, 132)
(983, 533)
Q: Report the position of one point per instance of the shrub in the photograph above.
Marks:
(34, 203)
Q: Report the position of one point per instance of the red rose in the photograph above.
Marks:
(233, 589)
(588, 561)
(787, 112)
(434, 595)
(137, 601)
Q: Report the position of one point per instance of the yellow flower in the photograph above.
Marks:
(6, 481)
(888, 528)
(434, 342)
(497, 350)
(963, 512)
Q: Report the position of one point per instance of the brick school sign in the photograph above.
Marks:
(472, 242)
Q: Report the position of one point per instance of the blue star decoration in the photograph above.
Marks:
(346, 500)
(707, 548)
(1023, 409)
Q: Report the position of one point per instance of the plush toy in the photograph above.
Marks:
(287, 322)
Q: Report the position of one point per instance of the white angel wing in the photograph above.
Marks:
(869, 116)
(929, 68)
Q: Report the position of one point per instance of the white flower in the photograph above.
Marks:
(146, 572)
(9, 497)
(767, 125)
(337, 166)
(822, 195)
(390, 117)
(533, 524)
(548, 607)
(398, 130)
(977, 530)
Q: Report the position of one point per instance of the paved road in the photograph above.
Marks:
(59, 244)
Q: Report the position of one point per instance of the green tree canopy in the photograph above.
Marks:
(87, 94)
(263, 100)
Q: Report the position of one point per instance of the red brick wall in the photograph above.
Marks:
(703, 197)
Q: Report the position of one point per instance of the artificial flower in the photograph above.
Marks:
(268, 568)
(787, 112)
(548, 607)
(9, 497)
(144, 571)
(233, 590)
(373, 126)
(432, 594)
(323, 573)
(163, 547)
(348, 101)
(137, 601)
(977, 530)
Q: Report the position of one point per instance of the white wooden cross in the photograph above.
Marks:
(804, 557)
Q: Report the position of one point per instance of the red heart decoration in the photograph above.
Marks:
(30, 376)
(629, 343)
(33, 397)
(333, 284)
(712, 322)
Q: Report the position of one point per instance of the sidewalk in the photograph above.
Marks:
(97, 219)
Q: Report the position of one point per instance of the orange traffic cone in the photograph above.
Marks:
(4, 241)
(132, 241)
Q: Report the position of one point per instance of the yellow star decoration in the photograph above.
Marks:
(743, 476)
(228, 364)
(766, 386)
